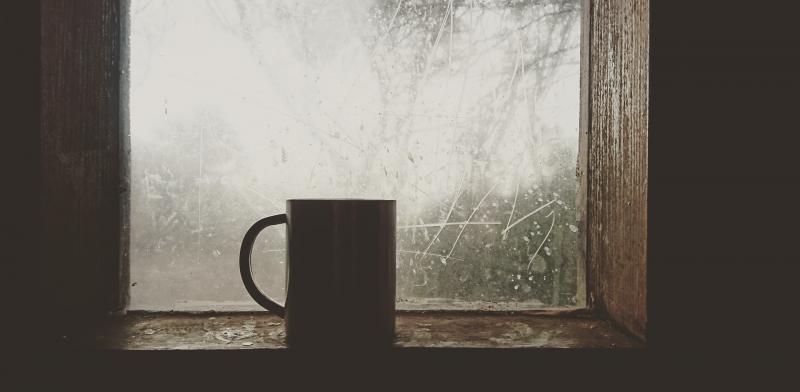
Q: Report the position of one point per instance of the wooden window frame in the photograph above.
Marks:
(85, 158)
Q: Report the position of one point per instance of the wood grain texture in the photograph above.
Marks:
(80, 146)
(617, 161)
(232, 331)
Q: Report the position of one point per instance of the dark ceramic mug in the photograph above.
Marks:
(340, 272)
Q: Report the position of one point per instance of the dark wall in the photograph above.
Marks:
(723, 179)
(19, 63)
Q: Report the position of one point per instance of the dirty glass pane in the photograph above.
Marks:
(465, 111)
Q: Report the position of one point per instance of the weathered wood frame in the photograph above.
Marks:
(83, 156)
(614, 125)
(85, 149)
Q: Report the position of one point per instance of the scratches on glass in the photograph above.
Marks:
(465, 111)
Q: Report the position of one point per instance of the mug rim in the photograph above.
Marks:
(340, 199)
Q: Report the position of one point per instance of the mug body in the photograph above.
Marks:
(340, 273)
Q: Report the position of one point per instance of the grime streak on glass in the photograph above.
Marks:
(466, 112)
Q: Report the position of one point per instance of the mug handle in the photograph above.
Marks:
(246, 270)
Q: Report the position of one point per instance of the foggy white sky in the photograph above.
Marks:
(274, 101)
(329, 99)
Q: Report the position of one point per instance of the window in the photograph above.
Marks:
(466, 112)
(85, 184)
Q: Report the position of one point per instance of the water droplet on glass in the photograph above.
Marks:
(538, 265)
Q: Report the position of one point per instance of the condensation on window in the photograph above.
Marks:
(466, 112)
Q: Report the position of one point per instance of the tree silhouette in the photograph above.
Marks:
(451, 94)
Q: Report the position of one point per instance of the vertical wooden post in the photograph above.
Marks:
(82, 150)
(617, 161)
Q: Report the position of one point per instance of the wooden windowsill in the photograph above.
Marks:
(237, 331)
